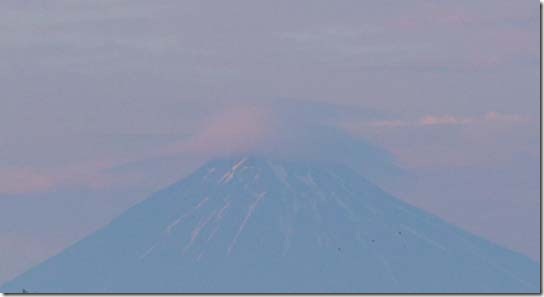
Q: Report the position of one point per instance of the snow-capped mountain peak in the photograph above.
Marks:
(251, 224)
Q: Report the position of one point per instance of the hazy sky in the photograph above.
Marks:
(104, 102)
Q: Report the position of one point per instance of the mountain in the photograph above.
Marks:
(272, 226)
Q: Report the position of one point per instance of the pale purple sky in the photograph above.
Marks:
(104, 102)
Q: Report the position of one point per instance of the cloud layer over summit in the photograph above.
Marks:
(104, 102)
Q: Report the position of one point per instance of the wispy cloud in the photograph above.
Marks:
(447, 120)
(24, 180)
(505, 118)
(281, 129)
(91, 175)
(237, 129)
(430, 120)
(431, 141)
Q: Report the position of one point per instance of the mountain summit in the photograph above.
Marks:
(267, 226)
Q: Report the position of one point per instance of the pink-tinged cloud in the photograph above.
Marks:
(491, 117)
(91, 175)
(505, 118)
(388, 124)
(431, 120)
(238, 130)
(24, 180)
(434, 139)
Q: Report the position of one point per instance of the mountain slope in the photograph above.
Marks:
(257, 225)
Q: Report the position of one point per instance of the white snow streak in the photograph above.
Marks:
(218, 218)
(287, 230)
(213, 232)
(170, 227)
(308, 180)
(230, 174)
(496, 266)
(148, 251)
(388, 269)
(196, 231)
(210, 172)
(343, 205)
(227, 177)
(280, 173)
(424, 237)
(221, 212)
(240, 163)
(248, 215)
